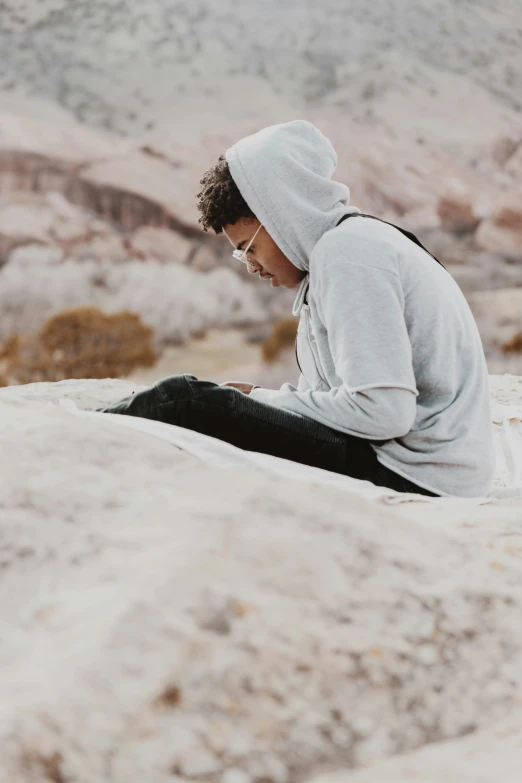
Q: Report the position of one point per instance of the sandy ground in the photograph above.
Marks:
(210, 358)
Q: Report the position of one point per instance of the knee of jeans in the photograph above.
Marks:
(174, 387)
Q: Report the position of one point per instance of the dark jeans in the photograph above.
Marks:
(230, 415)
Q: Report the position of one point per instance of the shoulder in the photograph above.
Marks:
(357, 240)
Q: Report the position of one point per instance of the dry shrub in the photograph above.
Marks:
(515, 344)
(45, 766)
(170, 697)
(8, 352)
(9, 349)
(283, 336)
(80, 342)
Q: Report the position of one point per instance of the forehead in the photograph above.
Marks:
(240, 233)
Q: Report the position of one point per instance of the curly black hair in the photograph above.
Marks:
(220, 201)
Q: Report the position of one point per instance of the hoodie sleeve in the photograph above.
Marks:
(302, 383)
(361, 306)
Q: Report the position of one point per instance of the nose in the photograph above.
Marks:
(253, 269)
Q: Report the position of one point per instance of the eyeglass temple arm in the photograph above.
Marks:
(247, 247)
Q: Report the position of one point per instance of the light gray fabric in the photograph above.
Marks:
(388, 346)
(284, 174)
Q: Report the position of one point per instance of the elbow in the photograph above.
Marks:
(389, 411)
(399, 421)
(397, 430)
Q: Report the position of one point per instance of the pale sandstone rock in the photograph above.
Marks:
(502, 232)
(387, 174)
(513, 165)
(235, 775)
(134, 184)
(344, 631)
(204, 259)
(456, 211)
(421, 218)
(62, 208)
(50, 219)
(66, 232)
(499, 319)
(488, 756)
(135, 189)
(124, 182)
(107, 247)
(160, 243)
(502, 148)
(22, 224)
(41, 155)
(74, 143)
(34, 255)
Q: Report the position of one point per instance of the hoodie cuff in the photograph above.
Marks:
(271, 396)
(263, 395)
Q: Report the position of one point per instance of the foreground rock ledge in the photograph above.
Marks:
(163, 622)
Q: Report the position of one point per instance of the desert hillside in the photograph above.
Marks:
(179, 67)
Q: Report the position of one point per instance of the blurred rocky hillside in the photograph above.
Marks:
(90, 218)
(110, 112)
(158, 65)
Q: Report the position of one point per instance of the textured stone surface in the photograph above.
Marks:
(160, 243)
(487, 756)
(499, 319)
(166, 621)
(502, 232)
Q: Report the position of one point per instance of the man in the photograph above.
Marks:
(394, 383)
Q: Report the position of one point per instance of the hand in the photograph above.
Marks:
(243, 386)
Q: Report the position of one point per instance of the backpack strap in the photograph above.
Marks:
(404, 231)
(409, 234)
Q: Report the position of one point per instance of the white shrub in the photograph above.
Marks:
(238, 301)
(35, 255)
(29, 294)
(175, 301)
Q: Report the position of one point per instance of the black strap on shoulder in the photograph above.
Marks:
(409, 234)
(404, 231)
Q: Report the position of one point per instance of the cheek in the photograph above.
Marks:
(286, 269)
(277, 264)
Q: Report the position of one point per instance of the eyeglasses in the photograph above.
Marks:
(241, 255)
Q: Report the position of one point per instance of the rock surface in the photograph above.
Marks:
(166, 621)
(494, 754)
(499, 319)
(502, 232)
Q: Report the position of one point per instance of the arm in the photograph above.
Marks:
(361, 306)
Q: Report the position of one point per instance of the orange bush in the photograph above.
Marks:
(283, 336)
(515, 344)
(80, 342)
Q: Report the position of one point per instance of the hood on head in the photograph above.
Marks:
(284, 174)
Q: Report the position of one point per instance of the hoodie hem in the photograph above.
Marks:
(353, 389)
(410, 478)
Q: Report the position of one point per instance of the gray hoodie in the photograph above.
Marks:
(387, 343)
